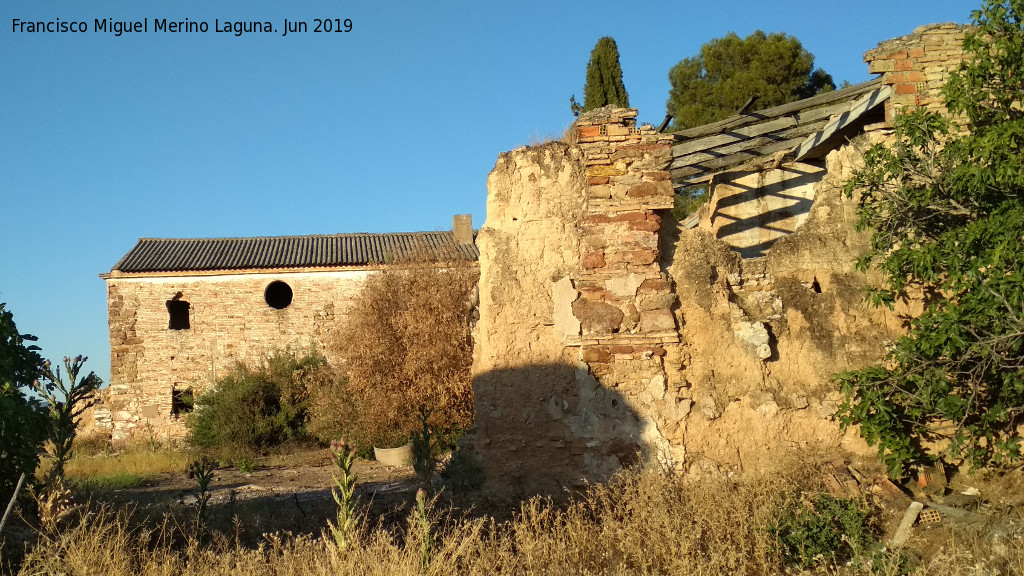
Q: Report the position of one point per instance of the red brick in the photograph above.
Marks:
(593, 260)
(629, 217)
(596, 355)
(906, 89)
(589, 131)
(621, 349)
(639, 256)
(904, 65)
(597, 180)
(898, 55)
(895, 77)
(915, 52)
(916, 77)
(645, 226)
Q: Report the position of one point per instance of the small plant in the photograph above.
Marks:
(422, 524)
(344, 528)
(246, 464)
(820, 530)
(202, 471)
(65, 402)
(423, 447)
(53, 504)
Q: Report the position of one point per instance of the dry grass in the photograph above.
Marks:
(135, 460)
(642, 523)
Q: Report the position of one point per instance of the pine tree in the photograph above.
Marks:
(716, 83)
(604, 77)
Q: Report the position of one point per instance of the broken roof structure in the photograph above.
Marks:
(761, 167)
(806, 129)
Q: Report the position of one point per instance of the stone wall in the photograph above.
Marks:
(229, 320)
(608, 333)
(918, 65)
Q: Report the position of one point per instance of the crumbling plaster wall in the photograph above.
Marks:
(605, 328)
(761, 337)
(229, 321)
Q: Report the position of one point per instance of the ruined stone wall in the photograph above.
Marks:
(608, 332)
(574, 308)
(918, 65)
(229, 321)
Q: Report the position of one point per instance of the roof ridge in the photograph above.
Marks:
(289, 236)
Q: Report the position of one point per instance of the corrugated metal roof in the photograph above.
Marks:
(268, 252)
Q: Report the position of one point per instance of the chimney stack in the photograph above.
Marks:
(462, 228)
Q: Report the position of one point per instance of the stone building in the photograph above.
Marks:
(182, 311)
(608, 332)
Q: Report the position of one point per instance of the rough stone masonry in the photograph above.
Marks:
(609, 334)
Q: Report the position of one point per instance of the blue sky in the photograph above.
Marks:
(390, 127)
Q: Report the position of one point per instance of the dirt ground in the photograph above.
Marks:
(294, 496)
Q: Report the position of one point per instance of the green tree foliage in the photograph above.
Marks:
(946, 206)
(604, 85)
(716, 83)
(253, 408)
(23, 422)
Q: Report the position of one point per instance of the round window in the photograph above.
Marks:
(278, 295)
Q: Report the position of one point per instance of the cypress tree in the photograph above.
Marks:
(604, 77)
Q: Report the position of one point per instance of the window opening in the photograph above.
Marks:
(177, 311)
(278, 295)
(182, 401)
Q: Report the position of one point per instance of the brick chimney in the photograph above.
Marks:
(462, 228)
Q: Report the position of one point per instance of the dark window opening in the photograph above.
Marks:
(177, 310)
(182, 401)
(278, 295)
(816, 287)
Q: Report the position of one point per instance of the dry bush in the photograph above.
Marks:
(406, 344)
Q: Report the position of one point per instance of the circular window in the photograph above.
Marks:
(278, 295)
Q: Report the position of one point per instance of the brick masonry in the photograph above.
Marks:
(918, 65)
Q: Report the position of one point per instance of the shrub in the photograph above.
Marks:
(946, 210)
(23, 422)
(253, 408)
(405, 346)
(819, 529)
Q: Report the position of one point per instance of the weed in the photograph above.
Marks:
(344, 528)
(202, 471)
(423, 448)
(422, 525)
(246, 464)
(821, 530)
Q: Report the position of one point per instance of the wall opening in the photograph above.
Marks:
(182, 401)
(278, 295)
(177, 312)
